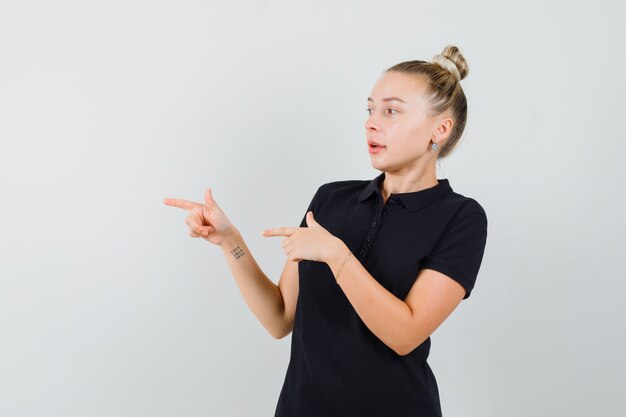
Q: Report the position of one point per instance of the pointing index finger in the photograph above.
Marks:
(176, 202)
(279, 231)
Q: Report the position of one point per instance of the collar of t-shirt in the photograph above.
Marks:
(412, 201)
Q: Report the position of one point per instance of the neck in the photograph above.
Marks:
(397, 184)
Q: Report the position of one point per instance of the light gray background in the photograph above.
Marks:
(109, 308)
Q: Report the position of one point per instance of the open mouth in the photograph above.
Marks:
(374, 149)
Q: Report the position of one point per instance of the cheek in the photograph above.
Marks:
(408, 137)
(419, 134)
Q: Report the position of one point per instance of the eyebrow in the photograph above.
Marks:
(389, 99)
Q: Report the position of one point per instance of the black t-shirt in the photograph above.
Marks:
(338, 367)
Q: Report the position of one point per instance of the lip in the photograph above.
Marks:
(373, 150)
(373, 142)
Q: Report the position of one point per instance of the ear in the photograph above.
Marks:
(443, 128)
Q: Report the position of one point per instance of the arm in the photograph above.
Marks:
(401, 325)
(263, 297)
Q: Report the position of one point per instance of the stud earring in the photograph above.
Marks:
(435, 146)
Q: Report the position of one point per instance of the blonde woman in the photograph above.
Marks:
(376, 265)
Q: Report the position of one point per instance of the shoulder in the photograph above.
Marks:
(342, 184)
(327, 189)
(461, 205)
(460, 211)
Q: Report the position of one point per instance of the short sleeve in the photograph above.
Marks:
(312, 207)
(459, 252)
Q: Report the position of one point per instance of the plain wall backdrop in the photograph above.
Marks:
(109, 308)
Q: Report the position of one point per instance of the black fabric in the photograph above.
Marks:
(338, 367)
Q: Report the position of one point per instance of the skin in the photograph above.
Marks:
(408, 132)
(206, 220)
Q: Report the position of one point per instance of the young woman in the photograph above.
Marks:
(376, 265)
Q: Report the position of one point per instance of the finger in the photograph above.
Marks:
(191, 222)
(197, 212)
(184, 204)
(279, 231)
(310, 219)
(203, 232)
(208, 197)
(195, 234)
(195, 217)
(196, 226)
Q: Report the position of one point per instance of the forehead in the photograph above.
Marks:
(410, 88)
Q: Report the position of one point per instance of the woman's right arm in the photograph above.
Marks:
(273, 306)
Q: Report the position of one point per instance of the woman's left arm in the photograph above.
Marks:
(402, 325)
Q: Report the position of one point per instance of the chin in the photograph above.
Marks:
(378, 165)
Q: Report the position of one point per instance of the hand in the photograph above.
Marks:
(312, 243)
(205, 220)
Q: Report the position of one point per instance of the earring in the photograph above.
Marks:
(435, 146)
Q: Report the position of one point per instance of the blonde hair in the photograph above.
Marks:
(443, 74)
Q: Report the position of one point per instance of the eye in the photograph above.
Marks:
(369, 111)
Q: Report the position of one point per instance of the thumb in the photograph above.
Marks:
(208, 197)
(309, 218)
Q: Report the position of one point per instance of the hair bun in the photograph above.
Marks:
(452, 60)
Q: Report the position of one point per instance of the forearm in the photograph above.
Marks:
(260, 293)
(388, 317)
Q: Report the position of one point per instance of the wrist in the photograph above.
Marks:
(336, 255)
(231, 239)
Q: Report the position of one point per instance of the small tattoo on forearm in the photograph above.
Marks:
(237, 252)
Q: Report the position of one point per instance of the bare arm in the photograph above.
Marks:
(273, 306)
(264, 298)
(402, 325)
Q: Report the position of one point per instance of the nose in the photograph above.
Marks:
(371, 124)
